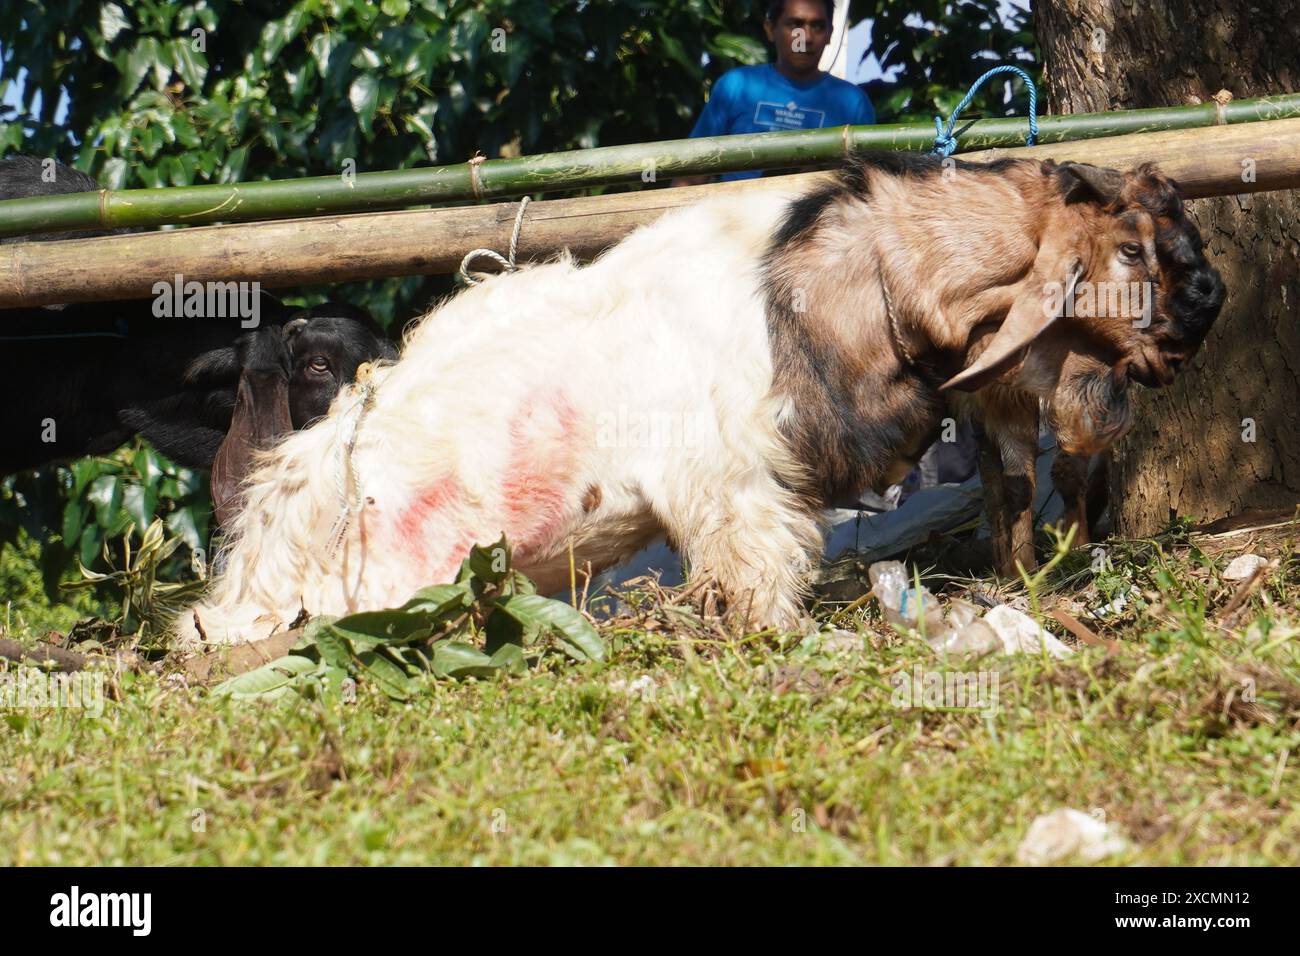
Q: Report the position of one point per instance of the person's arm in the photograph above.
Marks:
(715, 120)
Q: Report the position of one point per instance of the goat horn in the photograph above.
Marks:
(293, 327)
(1103, 182)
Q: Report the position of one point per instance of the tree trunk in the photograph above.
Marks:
(1225, 437)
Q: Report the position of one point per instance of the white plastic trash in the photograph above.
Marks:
(1068, 834)
(958, 629)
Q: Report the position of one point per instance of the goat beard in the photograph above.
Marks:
(1090, 412)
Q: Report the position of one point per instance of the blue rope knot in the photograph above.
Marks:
(945, 143)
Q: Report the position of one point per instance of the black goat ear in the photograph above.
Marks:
(1094, 182)
(261, 415)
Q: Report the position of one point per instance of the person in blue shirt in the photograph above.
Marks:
(791, 93)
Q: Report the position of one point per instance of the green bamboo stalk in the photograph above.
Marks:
(603, 166)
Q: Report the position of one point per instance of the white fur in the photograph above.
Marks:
(504, 412)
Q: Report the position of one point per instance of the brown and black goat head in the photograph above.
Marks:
(1120, 291)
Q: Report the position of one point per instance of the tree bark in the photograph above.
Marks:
(1190, 452)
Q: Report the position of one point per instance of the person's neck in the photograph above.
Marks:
(789, 73)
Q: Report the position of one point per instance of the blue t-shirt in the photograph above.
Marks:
(760, 99)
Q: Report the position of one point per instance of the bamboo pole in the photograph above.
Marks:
(295, 198)
(1208, 162)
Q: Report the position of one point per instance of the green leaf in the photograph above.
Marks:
(414, 620)
(320, 47)
(368, 629)
(490, 564)
(333, 678)
(84, 471)
(737, 47)
(140, 503)
(105, 496)
(112, 21)
(191, 64)
(146, 464)
(181, 523)
(509, 658)
(88, 546)
(439, 599)
(392, 680)
(74, 518)
(233, 168)
(455, 659)
(540, 615)
(332, 645)
(18, 722)
(271, 680)
(674, 50)
(364, 97)
(519, 584)
(397, 9)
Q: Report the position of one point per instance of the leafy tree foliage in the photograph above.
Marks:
(932, 50)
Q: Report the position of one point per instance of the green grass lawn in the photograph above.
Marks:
(695, 746)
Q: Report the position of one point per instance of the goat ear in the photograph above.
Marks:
(1098, 182)
(1032, 314)
(261, 416)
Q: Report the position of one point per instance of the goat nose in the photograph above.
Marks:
(1210, 284)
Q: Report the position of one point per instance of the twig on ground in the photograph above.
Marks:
(241, 658)
(1084, 633)
(1227, 617)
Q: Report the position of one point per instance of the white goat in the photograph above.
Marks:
(535, 404)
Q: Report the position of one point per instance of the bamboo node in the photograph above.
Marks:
(1221, 100)
(476, 184)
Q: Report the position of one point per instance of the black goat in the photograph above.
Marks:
(81, 379)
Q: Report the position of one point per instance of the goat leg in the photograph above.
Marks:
(995, 512)
(1070, 477)
(1007, 463)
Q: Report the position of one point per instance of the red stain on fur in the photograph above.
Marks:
(539, 475)
(412, 523)
(427, 523)
(539, 495)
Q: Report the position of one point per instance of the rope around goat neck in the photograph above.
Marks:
(350, 505)
(892, 315)
(347, 459)
(507, 264)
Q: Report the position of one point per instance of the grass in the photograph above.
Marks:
(695, 745)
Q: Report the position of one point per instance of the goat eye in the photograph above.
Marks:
(1131, 250)
(319, 364)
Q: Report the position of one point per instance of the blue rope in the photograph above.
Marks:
(945, 144)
